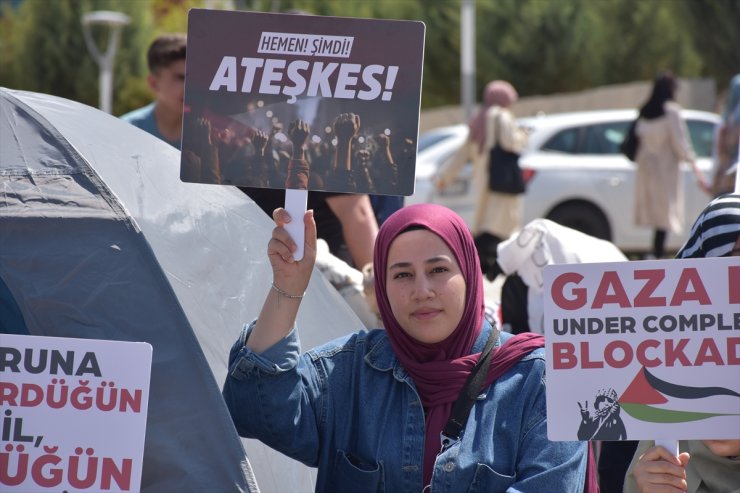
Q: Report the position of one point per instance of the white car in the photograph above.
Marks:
(576, 174)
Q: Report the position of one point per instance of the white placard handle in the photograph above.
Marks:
(295, 204)
(670, 445)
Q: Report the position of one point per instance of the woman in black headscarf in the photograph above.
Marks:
(664, 145)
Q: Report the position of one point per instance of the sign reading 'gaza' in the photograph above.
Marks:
(643, 350)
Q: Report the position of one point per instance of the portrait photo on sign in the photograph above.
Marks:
(292, 101)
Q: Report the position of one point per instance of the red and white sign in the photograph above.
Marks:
(73, 414)
(643, 350)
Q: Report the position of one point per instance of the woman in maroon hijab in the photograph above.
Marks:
(371, 410)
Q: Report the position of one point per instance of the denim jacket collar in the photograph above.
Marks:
(382, 358)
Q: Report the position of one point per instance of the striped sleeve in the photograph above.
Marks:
(716, 229)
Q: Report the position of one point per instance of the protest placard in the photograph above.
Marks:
(305, 102)
(643, 350)
(73, 414)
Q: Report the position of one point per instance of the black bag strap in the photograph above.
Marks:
(469, 393)
(497, 133)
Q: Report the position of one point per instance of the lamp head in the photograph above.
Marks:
(105, 18)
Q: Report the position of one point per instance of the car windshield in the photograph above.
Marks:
(702, 137)
(430, 138)
(605, 138)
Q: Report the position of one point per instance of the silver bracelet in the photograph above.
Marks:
(287, 295)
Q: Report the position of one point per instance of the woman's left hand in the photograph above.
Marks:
(657, 470)
(704, 185)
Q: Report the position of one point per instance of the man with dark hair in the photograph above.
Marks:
(163, 117)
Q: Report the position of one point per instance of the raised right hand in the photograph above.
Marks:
(289, 275)
(290, 278)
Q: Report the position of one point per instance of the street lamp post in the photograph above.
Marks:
(467, 56)
(115, 21)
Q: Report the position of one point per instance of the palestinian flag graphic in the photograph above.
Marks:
(647, 391)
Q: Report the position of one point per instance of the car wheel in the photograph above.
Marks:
(582, 216)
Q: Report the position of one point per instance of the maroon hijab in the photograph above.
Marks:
(439, 370)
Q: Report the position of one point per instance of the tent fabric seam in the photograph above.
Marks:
(107, 195)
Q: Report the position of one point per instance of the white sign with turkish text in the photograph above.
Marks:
(73, 413)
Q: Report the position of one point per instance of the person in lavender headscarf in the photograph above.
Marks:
(369, 409)
(497, 215)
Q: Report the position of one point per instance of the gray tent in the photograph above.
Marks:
(100, 239)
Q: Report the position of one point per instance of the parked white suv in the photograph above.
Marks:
(576, 174)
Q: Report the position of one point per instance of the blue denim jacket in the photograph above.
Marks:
(349, 408)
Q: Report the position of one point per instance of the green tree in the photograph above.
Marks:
(50, 42)
(642, 39)
(541, 46)
(8, 75)
(714, 29)
(441, 81)
(49, 52)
